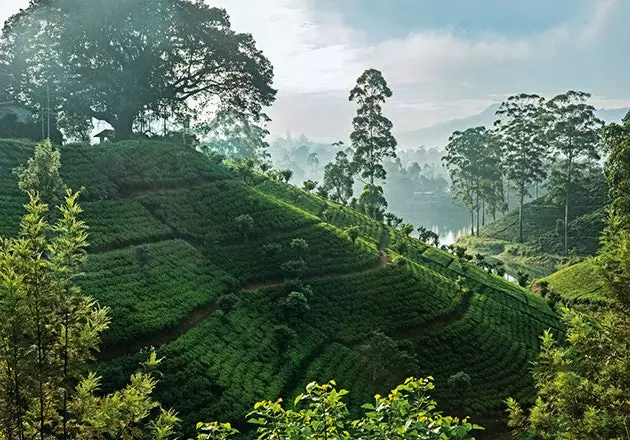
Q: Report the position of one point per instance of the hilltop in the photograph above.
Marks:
(165, 249)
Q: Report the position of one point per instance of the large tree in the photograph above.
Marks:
(574, 135)
(474, 166)
(372, 137)
(521, 132)
(584, 385)
(119, 60)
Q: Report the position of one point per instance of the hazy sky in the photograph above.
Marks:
(442, 58)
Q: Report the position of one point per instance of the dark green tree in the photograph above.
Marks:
(48, 334)
(125, 62)
(574, 134)
(244, 224)
(371, 137)
(520, 129)
(338, 178)
(353, 233)
(584, 385)
(309, 185)
(474, 166)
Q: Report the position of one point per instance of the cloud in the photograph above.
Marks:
(436, 74)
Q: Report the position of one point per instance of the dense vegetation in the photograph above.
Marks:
(166, 278)
(583, 386)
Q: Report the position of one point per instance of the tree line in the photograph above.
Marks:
(533, 139)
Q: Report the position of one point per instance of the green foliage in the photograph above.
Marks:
(372, 202)
(459, 380)
(384, 354)
(406, 228)
(226, 302)
(371, 137)
(293, 307)
(319, 413)
(244, 224)
(574, 134)
(283, 337)
(583, 387)
(353, 233)
(136, 68)
(473, 159)
(338, 178)
(524, 146)
(41, 174)
(50, 331)
(309, 185)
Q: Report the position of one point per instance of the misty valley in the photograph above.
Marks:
(308, 220)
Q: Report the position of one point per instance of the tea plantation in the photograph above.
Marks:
(167, 248)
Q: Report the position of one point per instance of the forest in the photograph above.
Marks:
(191, 277)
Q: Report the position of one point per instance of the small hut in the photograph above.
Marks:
(105, 135)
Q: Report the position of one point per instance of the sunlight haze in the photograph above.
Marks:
(442, 62)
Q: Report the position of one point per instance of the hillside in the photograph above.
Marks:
(543, 248)
(579, 283)
(164, 249)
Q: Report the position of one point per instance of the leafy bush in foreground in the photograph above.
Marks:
(408, 412)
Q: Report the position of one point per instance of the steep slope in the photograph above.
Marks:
(579, 283)
(165, 248)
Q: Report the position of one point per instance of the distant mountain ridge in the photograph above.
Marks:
(437, 135)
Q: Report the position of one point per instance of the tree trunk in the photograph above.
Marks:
(566, 209)
(472, 222)
(123, 126)
(477, 203)
(483, 212)
(507, 198)
(520, 213)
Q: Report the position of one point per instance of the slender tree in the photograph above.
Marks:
(521, 132)
(574, 135)
(584, 384)
(372, 137)
(471, 161)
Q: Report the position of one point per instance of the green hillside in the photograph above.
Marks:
(164, 249)
(540, 225)
(579, 283)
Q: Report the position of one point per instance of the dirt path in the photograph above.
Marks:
(194, 319)
(436, 324)
(201, 314)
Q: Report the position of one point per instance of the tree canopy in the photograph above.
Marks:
(119, 61)
(524, 145)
